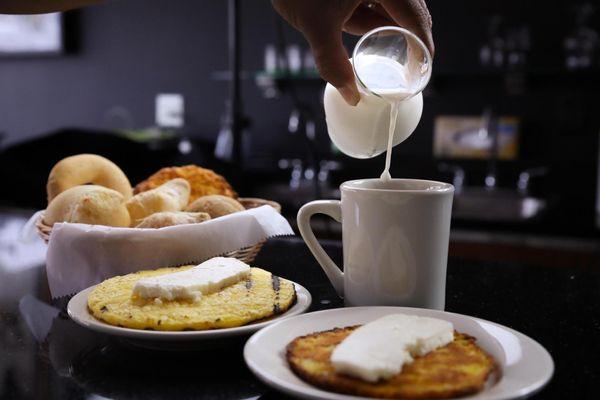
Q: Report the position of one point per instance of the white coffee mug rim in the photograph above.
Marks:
(443, 187)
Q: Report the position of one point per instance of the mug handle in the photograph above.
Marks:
(331, 208)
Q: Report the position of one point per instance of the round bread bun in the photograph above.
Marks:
(170, 196)
(85, 169)
(88, 204)
(215, 205)
(202, 181)
(170, 218)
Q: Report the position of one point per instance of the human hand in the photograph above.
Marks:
(323, 21)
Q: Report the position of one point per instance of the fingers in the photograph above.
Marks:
(412, 15)
(332, 62)
(321, 24)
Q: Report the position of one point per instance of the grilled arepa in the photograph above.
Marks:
(259, 297)
(457, 369)
(203, 182)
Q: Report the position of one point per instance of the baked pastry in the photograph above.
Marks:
(171, 196)
(260, 296)
(85, 169)
(169, 218)
(88, 204)
(202, 181)
(457, 369)
(215, 205)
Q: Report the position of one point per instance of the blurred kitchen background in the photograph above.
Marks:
(510, 115)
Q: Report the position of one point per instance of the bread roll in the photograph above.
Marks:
(88, 204)
(215, 205)
(84, 169)
(203, 182)
(170, 196)
(169, 218)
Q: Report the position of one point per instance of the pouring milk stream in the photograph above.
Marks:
(392, 66)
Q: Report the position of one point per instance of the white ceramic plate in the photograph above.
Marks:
(525, 365)
(78, 311)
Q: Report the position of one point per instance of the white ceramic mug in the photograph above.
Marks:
(395, 237)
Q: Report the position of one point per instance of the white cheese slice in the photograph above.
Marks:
(379, 349)
(208, 277)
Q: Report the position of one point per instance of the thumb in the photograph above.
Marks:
(333, 64)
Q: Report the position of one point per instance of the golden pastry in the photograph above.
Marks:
(457, 369)
(85, 169)
(261, 296)
(88, 204)
(171, 196)
(169, 218)
(202, 181)
(215, 205)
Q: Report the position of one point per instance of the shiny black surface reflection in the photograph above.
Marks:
(44, 355)
(133, 372)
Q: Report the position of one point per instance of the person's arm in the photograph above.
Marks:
(41, 6)
(323, 21)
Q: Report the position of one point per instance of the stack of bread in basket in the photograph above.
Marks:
(91, 189)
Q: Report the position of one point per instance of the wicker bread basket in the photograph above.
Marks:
(246, 254)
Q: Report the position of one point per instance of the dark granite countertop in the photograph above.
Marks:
(44, 355)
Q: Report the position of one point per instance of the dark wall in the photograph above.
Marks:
(130, 50)
(127, 52)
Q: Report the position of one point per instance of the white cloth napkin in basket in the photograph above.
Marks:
(81, 255)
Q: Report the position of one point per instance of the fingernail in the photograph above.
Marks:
(350, 94)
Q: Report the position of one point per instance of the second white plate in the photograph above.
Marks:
(525, 365)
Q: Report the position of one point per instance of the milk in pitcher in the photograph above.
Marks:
(362, 131)
(388, 112)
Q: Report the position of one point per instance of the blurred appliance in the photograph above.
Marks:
(497, 204)
(469, 137)
(489, 138)
(31, 34)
